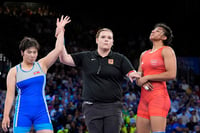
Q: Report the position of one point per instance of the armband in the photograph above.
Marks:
(130, 72)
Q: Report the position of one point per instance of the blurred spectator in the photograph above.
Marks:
(178, 127)
(191, 124)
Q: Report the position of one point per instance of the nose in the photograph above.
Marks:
(106, 40)
(33, 54)
(152, 31)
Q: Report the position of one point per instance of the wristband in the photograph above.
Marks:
(130, 72)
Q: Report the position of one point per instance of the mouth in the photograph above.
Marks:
(32, 59)
(151, 34)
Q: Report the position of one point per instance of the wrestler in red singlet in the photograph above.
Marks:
(156, 102)
(156, 66)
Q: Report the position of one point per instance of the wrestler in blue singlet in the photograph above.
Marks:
(31, 108)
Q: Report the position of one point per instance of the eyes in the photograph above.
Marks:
(108, 37)
(31, 52)
(158, 30)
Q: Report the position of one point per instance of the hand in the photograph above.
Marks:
(148, 86)
(133, 75)
(5, 123)
(61, 24)
(141, 81)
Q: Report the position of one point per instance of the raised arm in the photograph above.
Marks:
(10, 95)
(64, 57)
(48, 60)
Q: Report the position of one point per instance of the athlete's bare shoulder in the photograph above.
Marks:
(168, 50)
(12, 71)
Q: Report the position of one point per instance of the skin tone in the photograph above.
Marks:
(157, 36)
(157, 123)
(29, 57)
(104, 43)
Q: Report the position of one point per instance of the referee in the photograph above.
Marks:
(102, 72)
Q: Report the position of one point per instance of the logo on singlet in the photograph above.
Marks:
(154, 62)
(37, 72)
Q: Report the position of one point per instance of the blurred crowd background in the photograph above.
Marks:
(131, 30)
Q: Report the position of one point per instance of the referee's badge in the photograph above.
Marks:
(111, 61)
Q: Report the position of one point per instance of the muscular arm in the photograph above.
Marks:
(170, 65)
(66, 58)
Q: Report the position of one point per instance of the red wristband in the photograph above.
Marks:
(130, 72)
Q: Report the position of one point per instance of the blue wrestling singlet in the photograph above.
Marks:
(31, 107)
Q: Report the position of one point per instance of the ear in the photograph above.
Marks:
(97, 40)
(164, 38)
(22, 53)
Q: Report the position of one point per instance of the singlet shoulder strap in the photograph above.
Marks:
(17, 67)
(38, 65)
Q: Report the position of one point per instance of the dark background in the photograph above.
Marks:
(137, 17)
(131, 17)
(130, 20)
